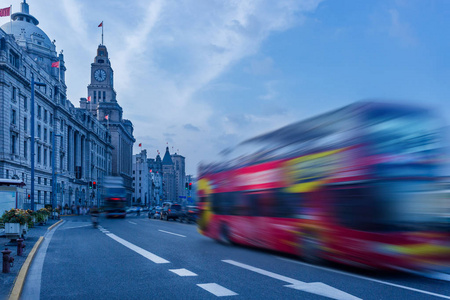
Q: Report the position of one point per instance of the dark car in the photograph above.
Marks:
(171, 211)
(189, 214)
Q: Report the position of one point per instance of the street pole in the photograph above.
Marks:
(54, 175)
(32, 136)
(32, 142)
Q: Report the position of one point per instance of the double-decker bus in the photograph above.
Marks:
(360, 185)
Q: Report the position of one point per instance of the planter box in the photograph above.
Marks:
(12, 228)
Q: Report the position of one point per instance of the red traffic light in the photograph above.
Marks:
(29, 196)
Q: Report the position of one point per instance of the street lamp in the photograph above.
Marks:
(32, 136)
(54, 175)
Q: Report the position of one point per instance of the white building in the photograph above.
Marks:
(82, 151)
(141, 180)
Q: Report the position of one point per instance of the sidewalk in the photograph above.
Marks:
(7, 280)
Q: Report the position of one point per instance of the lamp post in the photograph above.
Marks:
(54, 175)
(32, 136)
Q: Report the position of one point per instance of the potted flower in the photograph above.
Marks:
(16, 222)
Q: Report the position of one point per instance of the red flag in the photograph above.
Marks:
(55, 64)
(5, 12)
(106, 117)
(140, 144)
(89, 98)
(101, 24)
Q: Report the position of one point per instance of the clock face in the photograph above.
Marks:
(100, 75)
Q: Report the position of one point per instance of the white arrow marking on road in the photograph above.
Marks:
(317, 288)
(64, 228)
(132, 222)
(216, 289)
(150, 256)
(183, 272)
(172, 233)
(366, 278)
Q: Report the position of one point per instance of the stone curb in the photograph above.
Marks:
(51, 227)
(20, 280)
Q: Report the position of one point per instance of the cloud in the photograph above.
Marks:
(191, 127)
(261, 67)
(401, 30)
(164, 54)
(271, 92)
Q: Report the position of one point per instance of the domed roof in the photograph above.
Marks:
(24, 28)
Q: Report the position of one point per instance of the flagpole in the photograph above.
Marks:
(102, 32)
(10, 17)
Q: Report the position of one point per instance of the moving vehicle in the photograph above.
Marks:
(115, 197)
(359, 185)
(171, 211)
(155, 213)
(189, 214)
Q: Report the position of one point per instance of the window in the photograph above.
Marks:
(13, 117)
(25, 103)
(45, 135)
(25, 71)
(45, 181)
(7, 173)
(39, 154)
(25, 125)
(104, 95)
(51, 119)
(39, 111)
(50, 158)
(95, 96)
(45, 196)
(13, 143)
(14, 94)
(45, 157)
(39, 131)
(62, 125)
(45, 115)
(39, 180)
(39, 196)
(14, 59)
(25, 149)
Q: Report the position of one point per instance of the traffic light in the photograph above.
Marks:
(90, 184)
(29, 196)
(190, 185)
(94, 185)
(186, 185)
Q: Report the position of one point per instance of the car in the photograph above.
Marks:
(155, 213)
(171, 211)
(134, 209)
(190, 214)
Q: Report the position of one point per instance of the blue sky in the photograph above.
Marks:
(204, 75)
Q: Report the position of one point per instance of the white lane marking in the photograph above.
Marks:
(367, 278)
(132, 222)
(32, 286)
(172, 233)
(182, 272)
(317, 288)
(150, 256)
(76, 226)
(217, 290)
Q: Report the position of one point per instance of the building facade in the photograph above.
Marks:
(141, 180)
(104, 106)
(72, 147)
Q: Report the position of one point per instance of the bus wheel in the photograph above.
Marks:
(310, 249)
(224, 237)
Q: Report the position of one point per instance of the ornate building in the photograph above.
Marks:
(74, 140)
(103, 104)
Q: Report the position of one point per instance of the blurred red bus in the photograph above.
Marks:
(360, 186)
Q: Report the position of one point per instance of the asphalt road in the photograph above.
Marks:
(139, 258)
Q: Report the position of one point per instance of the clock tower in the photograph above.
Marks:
(101, 88)
(104, 106)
